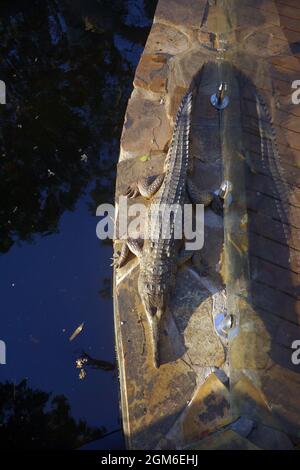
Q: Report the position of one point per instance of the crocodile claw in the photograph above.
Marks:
(116, 260)
(132, 191)
(120, 257)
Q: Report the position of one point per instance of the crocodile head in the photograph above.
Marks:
(154, 299)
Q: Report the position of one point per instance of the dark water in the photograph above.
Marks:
(68, 67)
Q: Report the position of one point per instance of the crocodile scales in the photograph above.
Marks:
(160, 255)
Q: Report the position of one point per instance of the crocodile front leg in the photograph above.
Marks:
(132, 245)
(146, 186)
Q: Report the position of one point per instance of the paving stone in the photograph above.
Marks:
(191, 309)
(270, 439)
(248, 400)
(151, 73)
(186, 14)
(167, 40)
(146, 128)
(209, 410)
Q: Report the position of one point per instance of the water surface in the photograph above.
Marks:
(68, 67)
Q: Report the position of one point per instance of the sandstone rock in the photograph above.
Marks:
(248, 399)
(166, 39)
(191, 309)
(182, 70)
(187, 14)
(208, 411)
(152, 73)
(146, 128)
(270, 439)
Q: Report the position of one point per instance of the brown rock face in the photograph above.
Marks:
(151, 73)
(166, 39)
(146, 129)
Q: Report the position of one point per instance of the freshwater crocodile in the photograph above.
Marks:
(160, 256)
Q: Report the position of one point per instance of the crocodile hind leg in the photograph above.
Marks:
(207, 198)
(194, 256)
(197, 196)
(145, 186)
(131, 245)
(184, 256)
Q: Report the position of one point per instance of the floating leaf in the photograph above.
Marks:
(76, 332)
(144, 158)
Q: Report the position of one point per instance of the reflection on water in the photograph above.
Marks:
(68, 67)
(26, 423)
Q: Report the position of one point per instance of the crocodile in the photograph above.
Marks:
(160, 256)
